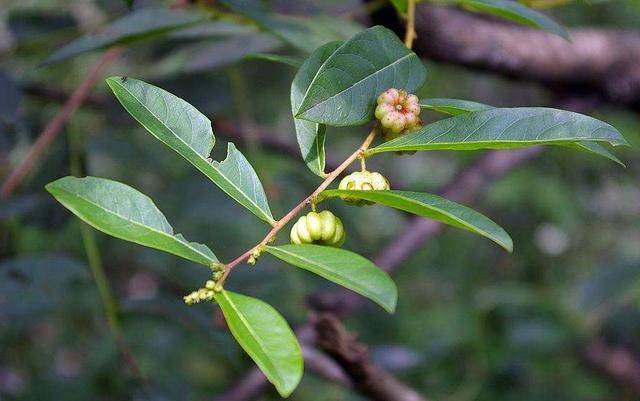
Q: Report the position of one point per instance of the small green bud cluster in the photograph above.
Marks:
(254, 257)
(210, 287)
(202, 294)
(363, 181)
(322, 228)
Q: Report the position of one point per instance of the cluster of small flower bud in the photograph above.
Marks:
(254, 257)
(203, 294)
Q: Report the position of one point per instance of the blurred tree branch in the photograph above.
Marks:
(614, 362)
(601, 61)
(45, 92)
(54, 126)
(353, 357)
(232, 130)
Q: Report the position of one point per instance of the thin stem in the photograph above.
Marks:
(363, 163)
(94, 260)
(54, 126)
(410, 33)
(306, 201)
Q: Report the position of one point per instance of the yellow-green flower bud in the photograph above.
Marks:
(363, 181)
(322, 228)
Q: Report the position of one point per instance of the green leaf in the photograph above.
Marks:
(207, 55)
(343, 267)
(310, 135)
(400, 5)
(453, 107)
(276, 58)
(505, 128)
(213, 29)
(135, 26)
(597, 149)
(266, 337)
(123, 212)
(304, 33)
(457, 107)
(344, 90)
(433, 207)
(187, 131)
(516, 12)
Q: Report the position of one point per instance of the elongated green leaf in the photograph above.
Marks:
(266, 337)
(516, 12)
(505, 128)
(433, 207)
(344, 90)
(304, 33)
(597, 149)
(457, 107)
(137, 25)
(343, 267)
(207, 55)
(276, 58)
(310, 135)
(121, 211)
(214, 29)
(453, 107)
(187, 131)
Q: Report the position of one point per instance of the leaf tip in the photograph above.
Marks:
(390, 304)
(391, 308)
(507, 244)
(50, 187)
(564, 34)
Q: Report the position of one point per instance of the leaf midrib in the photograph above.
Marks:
(350, 282)
(257, 339)
(453, 217)
(475, 229)
(268, 218)
(155, 230)
(348, 88)
(384, 147)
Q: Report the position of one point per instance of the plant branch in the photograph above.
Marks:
(410, 33)
(293, 212)
(467, 185)
(54, 126)
(353, 357)
(469, 182)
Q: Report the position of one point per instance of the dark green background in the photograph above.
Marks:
(473, 322)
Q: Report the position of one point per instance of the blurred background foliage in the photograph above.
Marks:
(473, 322)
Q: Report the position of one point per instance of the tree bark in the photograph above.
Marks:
(601, 61)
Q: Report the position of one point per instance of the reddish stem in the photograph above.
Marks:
(54, 126)
(293, 212)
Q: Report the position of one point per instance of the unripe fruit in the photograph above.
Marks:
(363, 181)
(398, 111)
(322, 228)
